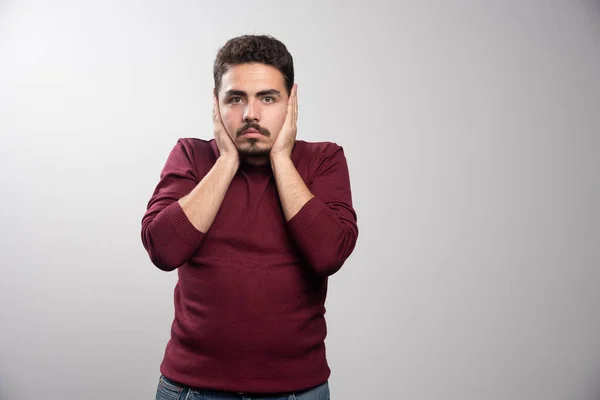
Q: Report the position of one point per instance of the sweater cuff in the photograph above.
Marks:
(182, 225)
(305, 217)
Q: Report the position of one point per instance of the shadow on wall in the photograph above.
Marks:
(594, 7)
(595, 392)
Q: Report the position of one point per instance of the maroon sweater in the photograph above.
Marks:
(249, 301)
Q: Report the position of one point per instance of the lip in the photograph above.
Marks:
(253, 135)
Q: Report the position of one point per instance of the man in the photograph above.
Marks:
(255, 222)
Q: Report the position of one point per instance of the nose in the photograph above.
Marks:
(251, 113)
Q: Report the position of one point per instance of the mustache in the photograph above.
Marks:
(252, 125)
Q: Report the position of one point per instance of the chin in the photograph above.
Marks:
(254, 150)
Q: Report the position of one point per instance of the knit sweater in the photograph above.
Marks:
(250, 295)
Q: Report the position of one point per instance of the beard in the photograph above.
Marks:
(252, 147)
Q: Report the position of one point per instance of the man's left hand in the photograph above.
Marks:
(287, 136)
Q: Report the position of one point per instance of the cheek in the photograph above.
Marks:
(231, 120)
(281, 118)
(277, 121)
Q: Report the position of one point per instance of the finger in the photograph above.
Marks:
(215, 108)
(217, 112)
(294, 94)
(295, 102)
(290, 104)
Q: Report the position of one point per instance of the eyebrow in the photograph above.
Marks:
(269, 92)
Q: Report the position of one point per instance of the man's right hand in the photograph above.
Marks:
(203, 202)
(226, 145)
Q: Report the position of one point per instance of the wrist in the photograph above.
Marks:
(232, 160)
(279, 160)
(276, 157)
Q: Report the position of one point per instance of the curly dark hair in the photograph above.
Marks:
(262, 49)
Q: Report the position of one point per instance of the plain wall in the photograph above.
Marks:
(472, 131)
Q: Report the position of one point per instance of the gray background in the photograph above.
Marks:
(472, 130)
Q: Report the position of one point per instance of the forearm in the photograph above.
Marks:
(202, 204)
(320, 217)
(293, 192)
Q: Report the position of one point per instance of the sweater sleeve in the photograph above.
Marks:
(325, 229)
(167, 234)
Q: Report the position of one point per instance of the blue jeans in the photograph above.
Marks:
(169, 390)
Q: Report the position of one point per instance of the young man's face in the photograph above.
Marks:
(253, 104)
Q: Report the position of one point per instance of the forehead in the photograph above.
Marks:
(252, 78)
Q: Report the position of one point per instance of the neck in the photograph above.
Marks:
(256, 161)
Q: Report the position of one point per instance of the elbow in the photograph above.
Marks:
(332, 258)
(162, 260)
(328, 263)
(170, 241)
(164, 263)
(327, 268)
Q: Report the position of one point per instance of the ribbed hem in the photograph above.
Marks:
(182, 225)
(188, 368)
(307, 214)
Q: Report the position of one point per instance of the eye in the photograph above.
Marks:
(269, 99)
(235, 100)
